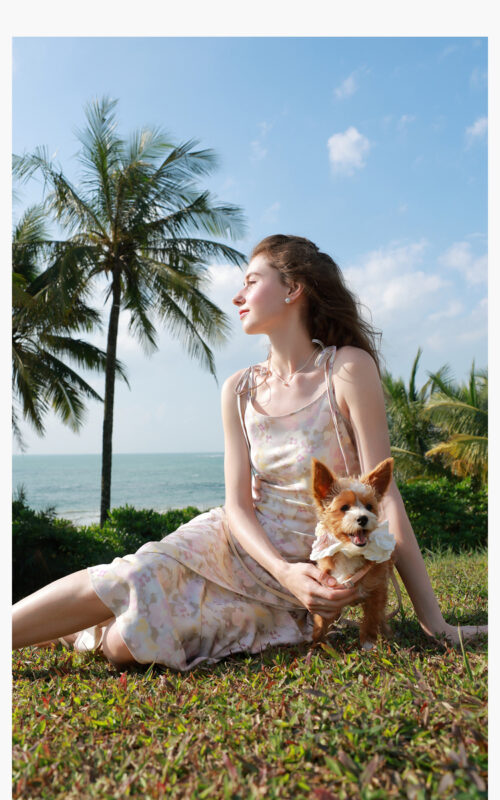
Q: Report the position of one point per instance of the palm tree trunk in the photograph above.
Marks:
(109, 397)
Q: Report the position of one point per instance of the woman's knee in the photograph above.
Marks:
(114, 648)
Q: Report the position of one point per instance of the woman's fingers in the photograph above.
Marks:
(312, 587)
(322, 599)
(326, 579)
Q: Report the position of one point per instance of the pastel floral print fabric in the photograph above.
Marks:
(189, 598)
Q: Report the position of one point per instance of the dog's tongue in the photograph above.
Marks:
(359, 537)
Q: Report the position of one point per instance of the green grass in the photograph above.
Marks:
(407, 720)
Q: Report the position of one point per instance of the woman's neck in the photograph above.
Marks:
(290, 350)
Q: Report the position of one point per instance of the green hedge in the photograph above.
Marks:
(444, 515)
(45, 548)
(447, 514)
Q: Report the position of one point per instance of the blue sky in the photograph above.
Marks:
(374, 148)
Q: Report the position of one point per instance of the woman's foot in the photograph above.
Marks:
(453, 633)
(67, 641)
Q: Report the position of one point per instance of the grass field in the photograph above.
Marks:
(407, 720)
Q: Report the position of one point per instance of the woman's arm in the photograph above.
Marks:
(360, 398)
(304, 580)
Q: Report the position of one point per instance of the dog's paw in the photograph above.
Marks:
(368, 645)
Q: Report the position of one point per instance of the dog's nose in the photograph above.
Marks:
(362, 521)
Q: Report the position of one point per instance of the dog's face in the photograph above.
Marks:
(349, 507)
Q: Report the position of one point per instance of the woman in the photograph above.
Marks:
(239, 578)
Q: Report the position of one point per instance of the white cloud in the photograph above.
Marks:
(392, 284)
(259, 151)
(452, 48)
(347, 87)
(478, 78)
(476, 324)
(348, 150)
(459, 256)
(453, 308)
(436, 342)
(405, 120)
(416, 301)
(225, 281)
(477, 131)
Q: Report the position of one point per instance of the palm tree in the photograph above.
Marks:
(48, 309)
(412, 433)
(133, 217)
(462, 414)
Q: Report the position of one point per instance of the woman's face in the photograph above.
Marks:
(261, 301)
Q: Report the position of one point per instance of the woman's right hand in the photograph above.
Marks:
(316, 589)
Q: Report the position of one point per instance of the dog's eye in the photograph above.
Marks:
(345, 508)
(369, 507)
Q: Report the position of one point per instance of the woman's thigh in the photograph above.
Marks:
(114, 648)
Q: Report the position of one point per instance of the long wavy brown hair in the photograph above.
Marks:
(333, 312)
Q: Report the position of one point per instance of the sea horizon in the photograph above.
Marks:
(130, 453)
(70, 483)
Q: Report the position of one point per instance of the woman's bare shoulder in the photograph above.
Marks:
(351, 359)
(230, 384)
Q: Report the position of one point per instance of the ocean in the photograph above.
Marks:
(72, 483)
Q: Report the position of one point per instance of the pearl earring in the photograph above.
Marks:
(287, 299)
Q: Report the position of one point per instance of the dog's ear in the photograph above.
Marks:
(324, 483)
(380, 477)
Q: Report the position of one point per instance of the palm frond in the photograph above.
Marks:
(182, 328)
(200, 250)
(200, 214)
(32, 227)
(101, 155)
(83, 353)
(412, 390)
(466, 454)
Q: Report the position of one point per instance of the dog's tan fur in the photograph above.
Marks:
(331, 495)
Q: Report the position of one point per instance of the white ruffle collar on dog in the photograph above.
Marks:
(378, 549)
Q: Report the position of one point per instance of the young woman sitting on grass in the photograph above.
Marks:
(239, 578)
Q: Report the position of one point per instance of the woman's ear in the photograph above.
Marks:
(295, 290)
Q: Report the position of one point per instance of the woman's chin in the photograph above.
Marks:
(251, 328)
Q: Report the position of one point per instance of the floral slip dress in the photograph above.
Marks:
(197, 595)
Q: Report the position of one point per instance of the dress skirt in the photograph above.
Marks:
(188, 598)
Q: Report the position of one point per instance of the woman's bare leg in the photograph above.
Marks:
(70, 638)
(65, 606)
(114, 648)
(411, 566)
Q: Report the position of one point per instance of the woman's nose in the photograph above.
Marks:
(238, 299)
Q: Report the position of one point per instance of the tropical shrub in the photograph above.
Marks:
(461, 411)
(447, 514)
(411, 431)
(148, 524)
(45, 548)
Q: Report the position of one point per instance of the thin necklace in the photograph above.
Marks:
(286, 381)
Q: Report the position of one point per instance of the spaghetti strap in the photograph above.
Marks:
(327, 358)
(246, 386)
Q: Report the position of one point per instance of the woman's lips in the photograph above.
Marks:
(243, 312)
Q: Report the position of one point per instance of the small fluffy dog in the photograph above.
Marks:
(351, 545)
